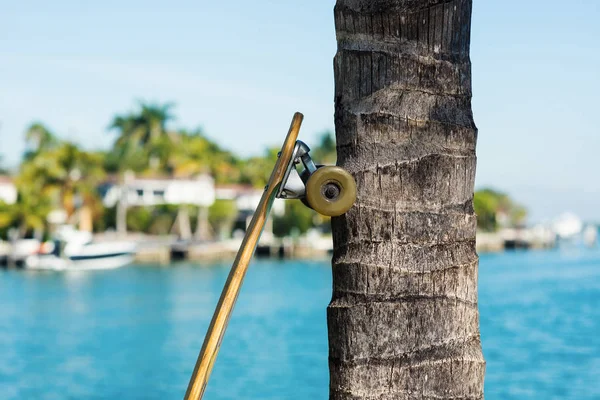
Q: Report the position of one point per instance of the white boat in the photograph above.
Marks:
(567, 226)
(74, 250)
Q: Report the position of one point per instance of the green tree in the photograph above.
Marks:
(65, 175)
(143, 144)
(257, 170)
(193, 153)
(39, 139)
(27, 214)
(142, 135)
(139, 219)
(221, 215)
(493, 207)
(297, 217)
(33, 202)
(324, 153)
(3, 168)
(485, 205)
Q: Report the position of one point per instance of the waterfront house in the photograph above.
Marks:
(200, 190)
(153, 191)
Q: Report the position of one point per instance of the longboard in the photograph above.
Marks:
(220, 319)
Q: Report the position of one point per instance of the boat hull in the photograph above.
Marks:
(78, 263)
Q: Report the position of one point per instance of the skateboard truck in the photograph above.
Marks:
(294, 182)
(329, 190)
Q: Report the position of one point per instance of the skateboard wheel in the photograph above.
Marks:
(331, 191)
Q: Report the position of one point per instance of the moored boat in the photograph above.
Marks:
(76, 250)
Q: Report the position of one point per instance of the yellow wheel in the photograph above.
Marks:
(331, 191)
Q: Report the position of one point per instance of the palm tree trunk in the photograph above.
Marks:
(202, 226)
(86, 219)
(182, 226)
(122, 211)
(403, 320)
(126, 179)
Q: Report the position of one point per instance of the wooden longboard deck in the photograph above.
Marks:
(220, 319)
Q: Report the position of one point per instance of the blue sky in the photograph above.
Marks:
(240, 69)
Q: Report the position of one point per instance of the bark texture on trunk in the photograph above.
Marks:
(403, 320)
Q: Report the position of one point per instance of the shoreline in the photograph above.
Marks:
(164, 250)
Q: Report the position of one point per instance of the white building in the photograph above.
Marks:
(8, 190)
(247, 198)
(199, 191)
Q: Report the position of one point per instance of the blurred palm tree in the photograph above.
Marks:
(32, 205)
(65, 176)
(325, 152)
(142, 127)
(27, 214)
(3, 169)
(257, 170)
(39, 139)
(193, 154)
(142, 137)
(143, 144)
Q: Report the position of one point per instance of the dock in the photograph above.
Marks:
(164, 250)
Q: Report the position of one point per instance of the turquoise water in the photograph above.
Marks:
(134, 333)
